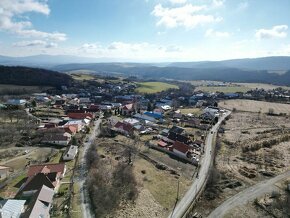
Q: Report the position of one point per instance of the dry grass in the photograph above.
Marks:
(195, 111)
(261, 86)
(255, 106)
(161, 184)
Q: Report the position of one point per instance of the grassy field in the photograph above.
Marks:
(10, 89)
(224, 89)
(154, 87)
(161, 184)
(261, 86)
(255, 106)
(82, 76)
(195, 111)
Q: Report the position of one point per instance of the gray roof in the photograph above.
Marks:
(40, 206)
(11, 208)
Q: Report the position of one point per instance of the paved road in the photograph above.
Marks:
(84, 193)
(198, 183)
(248, 194)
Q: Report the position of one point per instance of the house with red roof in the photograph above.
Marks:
(42, 174)
(80, 116)
(123, 128)
(128, 109)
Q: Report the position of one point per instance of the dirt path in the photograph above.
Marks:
(86, 207)
(247, 195)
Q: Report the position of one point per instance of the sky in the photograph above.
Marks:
(146, 30)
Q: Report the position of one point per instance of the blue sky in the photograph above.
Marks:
(146, 30)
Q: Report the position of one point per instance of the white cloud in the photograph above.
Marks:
(216, 34)
(279, 31)
(11, 20)
(178, 1)
(218, 3)
(35, 43)
(133, 47)
(243, 5)
(186, 16)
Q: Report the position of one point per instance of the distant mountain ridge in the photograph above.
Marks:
(280, 63)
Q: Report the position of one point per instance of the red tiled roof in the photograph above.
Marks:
(46, 168)
(79, 115)
(70, 129)
(181, 147)
(162, 144)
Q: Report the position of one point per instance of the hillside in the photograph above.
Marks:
(32, 77)
(178, 73)
(279, 63)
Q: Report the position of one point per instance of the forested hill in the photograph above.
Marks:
(27, 76)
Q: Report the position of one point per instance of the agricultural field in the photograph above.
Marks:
(255, 106)
(82, 76)
(154, 87)
(261, 86)
(224, 89)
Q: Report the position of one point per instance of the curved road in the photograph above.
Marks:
(248, 194)
(199, 182)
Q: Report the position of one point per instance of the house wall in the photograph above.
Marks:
(3, 173)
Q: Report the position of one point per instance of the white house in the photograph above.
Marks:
(71, 153)
(11, 208)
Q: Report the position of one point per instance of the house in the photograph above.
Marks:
(80, 116)
(70, 153)
(180, 148)
(71, 129)
(123, 128)
(155, 115)
(76, 123)
(162, 144)
(176, 129)
(40, 204)
(131, 121)
(127, 109)
(57, 139)
(11, 208)
(212, 110)
(16, 102)
(84, 100)
(42, 174)
(178, 137)
(144, 117)
(59, 168)
(4, 172)
(34, 183)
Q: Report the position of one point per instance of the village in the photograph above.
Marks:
(172, 122)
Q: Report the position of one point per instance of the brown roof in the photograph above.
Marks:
(37, 181)
(181, 147)
(124, 126)
(80, 116)
(54, 137)
(70, 129)
(51, 168)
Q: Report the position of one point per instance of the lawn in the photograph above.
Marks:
(224, 89)
(154, 87)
